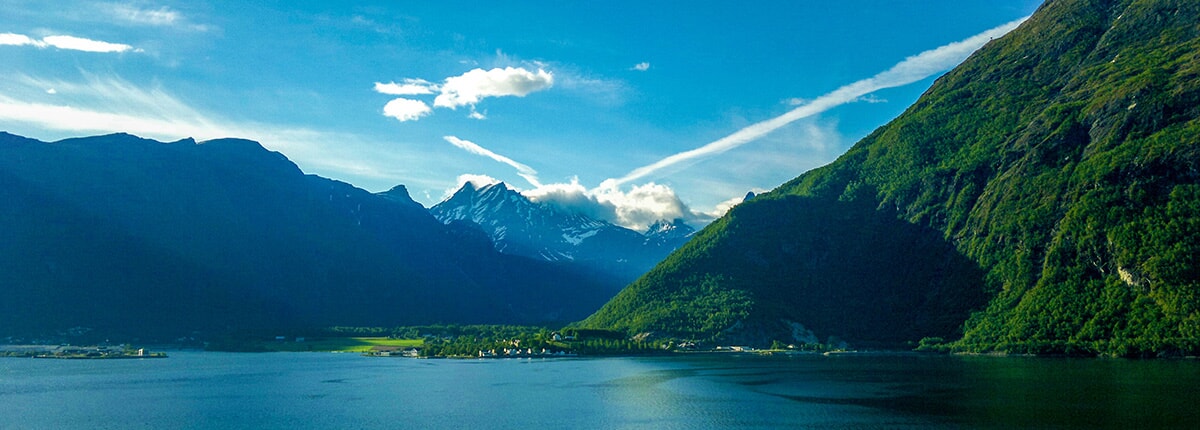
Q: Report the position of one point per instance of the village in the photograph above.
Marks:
(66, 351)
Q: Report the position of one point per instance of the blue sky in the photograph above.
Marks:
(631, 111)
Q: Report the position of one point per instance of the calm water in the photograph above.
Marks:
(322, 391)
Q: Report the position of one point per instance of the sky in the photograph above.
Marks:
(627, 111)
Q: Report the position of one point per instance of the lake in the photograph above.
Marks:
(210, 390)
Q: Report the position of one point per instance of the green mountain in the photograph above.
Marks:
(1044, 196)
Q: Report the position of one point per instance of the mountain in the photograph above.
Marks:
(138, 237)
(519, 226)
(1042, 197)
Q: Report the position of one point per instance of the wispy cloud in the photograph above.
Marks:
(108, 105)
(134, 14)
(163, 16)
(524, 171)
(410, 87)
(641, 67)
(468, 89)
(912, 69)
(64, 42)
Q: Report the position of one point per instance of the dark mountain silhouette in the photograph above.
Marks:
(134, 236)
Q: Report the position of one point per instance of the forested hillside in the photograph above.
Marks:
(1044, 196)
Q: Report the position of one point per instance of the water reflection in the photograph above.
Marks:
(212, 390)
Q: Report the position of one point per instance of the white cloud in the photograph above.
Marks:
(471, 87)
(403, 109)
(13, 39)
(524, 171)
(64, 42)
(641, 67)
(573, 198)
(410, 87)
(644, 204)
(912, 69)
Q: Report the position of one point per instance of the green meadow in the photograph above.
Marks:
(339, 344)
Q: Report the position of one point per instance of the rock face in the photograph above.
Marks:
(519, 226)
(144, 238)
(1044, 196)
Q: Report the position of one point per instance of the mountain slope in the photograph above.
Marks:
(134, 236)
(1058, 165)
(519, 226)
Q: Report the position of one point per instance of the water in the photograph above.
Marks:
(204, 390)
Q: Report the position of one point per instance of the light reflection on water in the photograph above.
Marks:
(316, 390)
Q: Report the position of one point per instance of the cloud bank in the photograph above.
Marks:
(468, 89)
(912, 69)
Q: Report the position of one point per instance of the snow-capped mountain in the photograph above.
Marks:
(519, 226)
(669, 233)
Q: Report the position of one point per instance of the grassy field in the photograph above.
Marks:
(341, 344)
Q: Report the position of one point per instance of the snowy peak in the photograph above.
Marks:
(520, 226)
(666, 233)
(675, 228)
